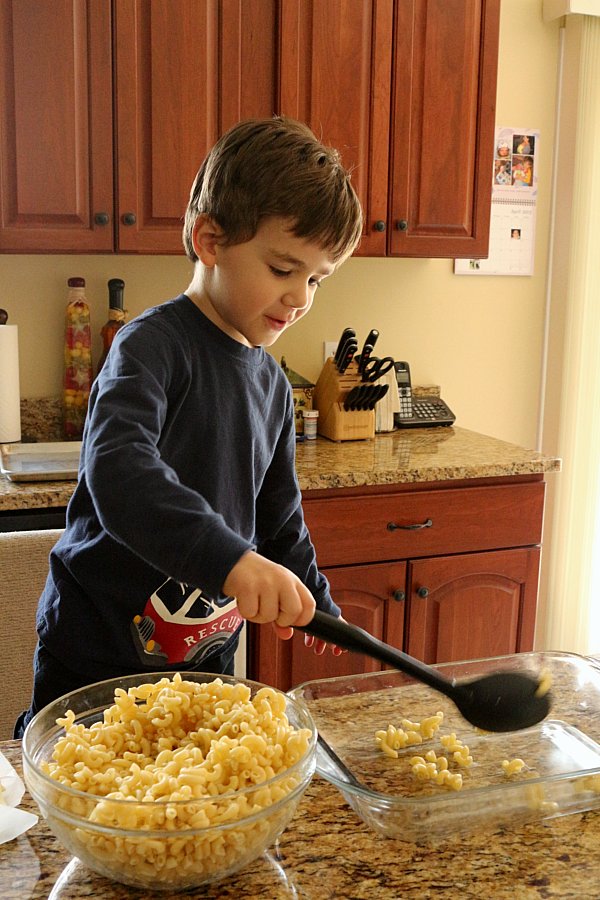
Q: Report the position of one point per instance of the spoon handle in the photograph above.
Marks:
(351, 637)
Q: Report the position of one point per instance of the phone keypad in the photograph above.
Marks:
(425, 409)
(406, 403)
(421, 412)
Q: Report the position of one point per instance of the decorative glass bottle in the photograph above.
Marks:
(116, 316)
(78, 376)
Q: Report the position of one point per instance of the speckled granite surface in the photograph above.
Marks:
(328, 852)
(41, 419)
(400, 457)
(414, 455)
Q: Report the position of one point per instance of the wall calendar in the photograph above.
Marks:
(514, 198)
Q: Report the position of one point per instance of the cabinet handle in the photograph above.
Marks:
(423, 592)
(101, 218)
(379, 225)
(398, 595)
(129, 219)
(392, 526)
(402, 225)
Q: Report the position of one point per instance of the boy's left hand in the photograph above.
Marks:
(310, 640)
(320, 646)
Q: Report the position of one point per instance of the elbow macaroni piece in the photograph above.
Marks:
(545, 683)
(536, 799)
(393, 739)
(435, 769)
(178, 741)
(512, 767)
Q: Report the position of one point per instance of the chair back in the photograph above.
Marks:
(23, 571)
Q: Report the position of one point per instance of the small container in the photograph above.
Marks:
(310, 417)
(302, 390)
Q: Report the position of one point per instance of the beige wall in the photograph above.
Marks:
(480, 338)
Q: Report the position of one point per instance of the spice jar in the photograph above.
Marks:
(310, 417)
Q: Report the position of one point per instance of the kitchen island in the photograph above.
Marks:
(328, 852)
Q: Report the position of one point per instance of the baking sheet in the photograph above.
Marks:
(52, 461)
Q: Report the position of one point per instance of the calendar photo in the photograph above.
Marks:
(514, 198)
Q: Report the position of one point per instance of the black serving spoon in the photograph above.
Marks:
(501, 701)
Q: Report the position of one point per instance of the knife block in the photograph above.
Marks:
(335, 422)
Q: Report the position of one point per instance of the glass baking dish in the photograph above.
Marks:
(561, 774)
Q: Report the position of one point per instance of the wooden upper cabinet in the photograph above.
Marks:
(185, 72)
(406, 90)
(336, 63)
(109, 108)
(442, 130)
(56, 150)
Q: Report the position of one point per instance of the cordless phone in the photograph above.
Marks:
(420, 412)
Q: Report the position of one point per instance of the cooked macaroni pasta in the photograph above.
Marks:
(435, 769)
(545, 682)
(184, 744)
(393, 739)
(512, 767)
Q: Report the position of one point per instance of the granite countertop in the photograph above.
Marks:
(328, 852)
(400, 457)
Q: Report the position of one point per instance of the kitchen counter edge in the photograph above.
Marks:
(407, 456)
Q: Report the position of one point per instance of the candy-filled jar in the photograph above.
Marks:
(78, 376)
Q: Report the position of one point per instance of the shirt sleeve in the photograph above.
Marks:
(282, 535)
(137, 496)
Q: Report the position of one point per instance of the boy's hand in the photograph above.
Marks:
(320, 646)
(268, 592)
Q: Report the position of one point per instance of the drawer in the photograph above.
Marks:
(371, 528)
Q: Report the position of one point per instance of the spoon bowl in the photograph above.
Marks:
(502, 701)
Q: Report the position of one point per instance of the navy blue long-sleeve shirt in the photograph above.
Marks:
(187, 463)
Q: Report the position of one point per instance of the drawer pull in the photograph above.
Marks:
(392, 526)
(423, 592)
(398, 595)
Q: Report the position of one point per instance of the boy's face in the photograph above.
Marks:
(256, 290)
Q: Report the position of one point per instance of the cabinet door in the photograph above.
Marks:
(473, 605)
(445, 68)
(369, 596)
(186, 70)
(56, 163)
(335, 75)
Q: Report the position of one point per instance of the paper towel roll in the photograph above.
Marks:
(10, 396)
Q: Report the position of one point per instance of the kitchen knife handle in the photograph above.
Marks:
(347, 358)
(364, 357)
(372, 337)
(347, 333)
(339, 359)
(368, 348)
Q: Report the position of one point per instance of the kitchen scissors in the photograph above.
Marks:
(375, 367)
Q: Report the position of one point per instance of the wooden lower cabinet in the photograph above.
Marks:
(371, 597)
(473, 605)
(436, 601)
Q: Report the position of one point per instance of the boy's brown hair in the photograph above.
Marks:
(275, 167)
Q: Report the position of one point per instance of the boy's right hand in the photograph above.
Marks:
(268, 592)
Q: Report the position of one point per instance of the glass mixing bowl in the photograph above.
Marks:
(162, 844)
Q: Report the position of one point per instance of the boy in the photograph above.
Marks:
(186, 518)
